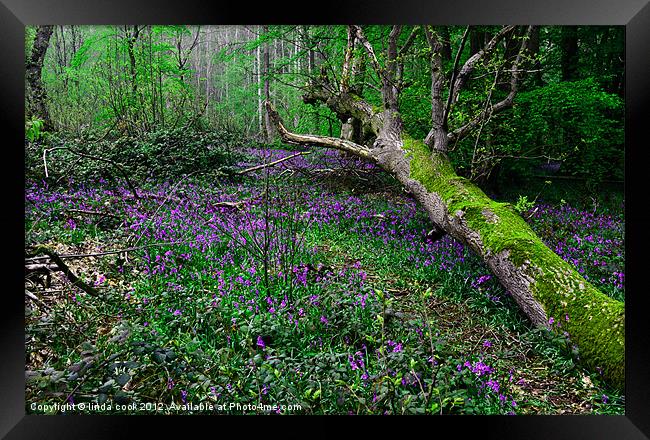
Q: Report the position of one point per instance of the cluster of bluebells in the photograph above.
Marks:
(593, 243)
(394, 347)
(211, 236)
(488, 383)
(357, 362)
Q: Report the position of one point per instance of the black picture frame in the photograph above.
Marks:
(633, 14)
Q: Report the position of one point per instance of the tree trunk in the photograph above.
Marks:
(260, 106)
(36, 93)
(569, 43)
(533, 49)
(476, 39)
(266, 60)
(446, 44)
(131, 38)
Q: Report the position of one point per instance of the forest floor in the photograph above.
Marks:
(312, 287)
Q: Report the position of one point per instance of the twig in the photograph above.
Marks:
(41, 267)
(99, 254)
(266, 165)
(229, 204)
(33, 297)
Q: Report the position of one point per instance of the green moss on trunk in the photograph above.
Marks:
(596, 323)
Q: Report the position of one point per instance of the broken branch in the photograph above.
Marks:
(66, 270)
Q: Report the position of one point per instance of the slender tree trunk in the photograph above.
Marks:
(36, 95)
(208, 73)
(131, 38)
(266, 59)
(476, 39)
(311, 65)
(569, 43)
(260, 106)
(446, 44)
(533, 47)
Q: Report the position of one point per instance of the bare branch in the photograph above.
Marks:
(471, 63)
(399, 74)
(270, 164)
(87, 212)
(66, 270)
(453, 76)
(99, 254)
(34, 298)
(322, 141)
(502, 105)
(366, 44)
(345, 73)
(409, 41)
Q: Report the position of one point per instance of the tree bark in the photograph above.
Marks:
(36, 95)
(569, 43)
(260, 101)
(533, 49)
(545, 287)
(266, 59)
(131, 39)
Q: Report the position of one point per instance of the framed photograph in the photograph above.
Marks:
(417, 209)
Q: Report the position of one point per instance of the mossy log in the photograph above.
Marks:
(546, 288)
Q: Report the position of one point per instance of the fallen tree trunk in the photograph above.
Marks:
(546, 288)
(543, 285)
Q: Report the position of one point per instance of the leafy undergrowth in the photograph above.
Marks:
(277, 295)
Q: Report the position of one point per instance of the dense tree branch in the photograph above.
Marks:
(454, 72)
(507, 102)
(471, 63)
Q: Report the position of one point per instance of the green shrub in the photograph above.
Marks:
(161, 154)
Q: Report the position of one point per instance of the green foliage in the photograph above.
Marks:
(575, 121)
(30, 35)
(107, 81)
(176, 324)
(523, 204)
(161, 154)
(168, 153)
(33, 129)
(576, 124)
